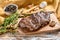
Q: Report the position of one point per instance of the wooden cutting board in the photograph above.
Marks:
(45, 29)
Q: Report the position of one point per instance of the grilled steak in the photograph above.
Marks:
(34, 22)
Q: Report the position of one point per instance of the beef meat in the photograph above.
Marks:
(34, 22)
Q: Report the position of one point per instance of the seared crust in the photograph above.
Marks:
(35, 21)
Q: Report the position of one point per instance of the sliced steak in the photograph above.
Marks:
(34, 22)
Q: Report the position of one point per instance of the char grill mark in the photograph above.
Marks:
(34, 22)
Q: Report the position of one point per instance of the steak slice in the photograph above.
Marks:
(34, 22)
